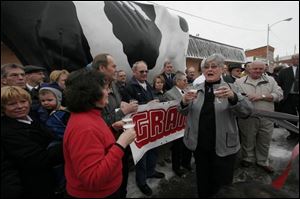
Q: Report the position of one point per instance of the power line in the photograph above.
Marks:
(282, 40)
(210, 20)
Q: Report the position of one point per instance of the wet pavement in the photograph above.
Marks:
(250, 182)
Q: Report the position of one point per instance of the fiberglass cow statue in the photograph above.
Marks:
(68, 35)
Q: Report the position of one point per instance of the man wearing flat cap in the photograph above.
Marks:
(35, 76)
(235, 70)
(31, 69)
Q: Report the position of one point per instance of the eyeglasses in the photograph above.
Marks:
(211, 66)
(143, 71)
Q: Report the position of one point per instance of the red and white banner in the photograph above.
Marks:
(155, 124)
(159, 123)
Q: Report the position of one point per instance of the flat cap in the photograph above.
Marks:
(32, 69)
(235, 65)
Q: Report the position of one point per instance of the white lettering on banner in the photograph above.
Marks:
(156, 124)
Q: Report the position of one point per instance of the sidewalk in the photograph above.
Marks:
(175, 187)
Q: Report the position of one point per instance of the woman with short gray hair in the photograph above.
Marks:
(216, 58)
(211, 129)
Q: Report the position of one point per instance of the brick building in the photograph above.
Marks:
(284, 60)
(7, 55)
(260, 54)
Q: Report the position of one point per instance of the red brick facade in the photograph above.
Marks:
(261, 53)
(7, 56)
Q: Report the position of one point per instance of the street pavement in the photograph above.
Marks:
(250, 182)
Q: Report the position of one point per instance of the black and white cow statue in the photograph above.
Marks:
(68, 35)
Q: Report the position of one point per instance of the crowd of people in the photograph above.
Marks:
(62, 133)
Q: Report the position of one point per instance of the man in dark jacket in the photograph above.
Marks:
(139, 89)
(288, 80)
(35, 76)
(168, 75)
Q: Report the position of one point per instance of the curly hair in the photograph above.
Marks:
(83, 89)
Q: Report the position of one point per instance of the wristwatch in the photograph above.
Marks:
(263, 96)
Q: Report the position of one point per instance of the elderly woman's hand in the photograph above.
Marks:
(224, 92)
(189, 97)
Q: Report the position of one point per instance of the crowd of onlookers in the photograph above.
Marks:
(62, 133)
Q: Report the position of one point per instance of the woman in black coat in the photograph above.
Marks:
(11, 186)
(25, 143)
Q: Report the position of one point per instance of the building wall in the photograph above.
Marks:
(287, 61)
(261, 53)
(7, 56)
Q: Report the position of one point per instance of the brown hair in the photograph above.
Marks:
(158, 77)
(99, 60)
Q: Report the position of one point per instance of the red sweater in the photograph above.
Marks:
(93, 164)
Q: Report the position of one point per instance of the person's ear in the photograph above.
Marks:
(3, 81)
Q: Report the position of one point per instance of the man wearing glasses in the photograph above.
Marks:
(139, 89)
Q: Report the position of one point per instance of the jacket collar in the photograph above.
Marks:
(263, 80)
(134, 81)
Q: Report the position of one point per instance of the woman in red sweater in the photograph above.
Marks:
(93, 158)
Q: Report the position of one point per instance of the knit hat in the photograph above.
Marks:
(53, 88)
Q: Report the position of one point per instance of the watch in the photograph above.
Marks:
(263, 96)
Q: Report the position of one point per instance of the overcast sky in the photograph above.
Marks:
(255, 15)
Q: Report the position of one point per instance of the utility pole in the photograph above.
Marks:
(268, 32)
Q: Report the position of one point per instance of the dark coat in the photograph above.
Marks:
(35, 102)
(286, 79)
(11, 186)
(135, 91)
(169, 82)
(26, 146)
(228, 79)
(160, 96)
